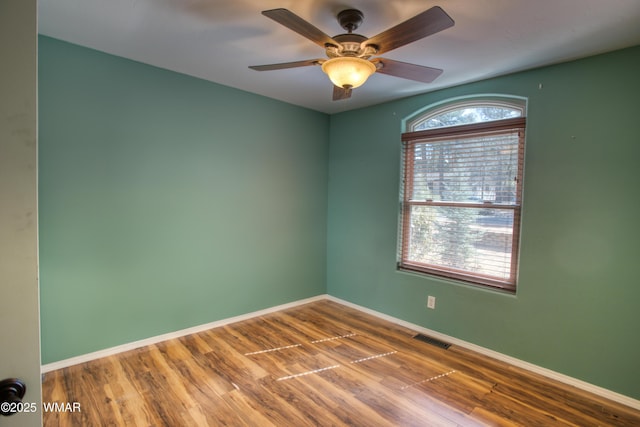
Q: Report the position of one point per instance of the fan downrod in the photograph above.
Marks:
(350, 19)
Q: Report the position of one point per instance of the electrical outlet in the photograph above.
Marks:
(431, 302)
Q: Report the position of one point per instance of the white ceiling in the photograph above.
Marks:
(218, 39)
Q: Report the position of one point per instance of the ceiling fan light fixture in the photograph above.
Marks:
(348, 72)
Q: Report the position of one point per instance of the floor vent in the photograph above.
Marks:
(432, 341)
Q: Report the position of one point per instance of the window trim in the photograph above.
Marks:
(409, 139)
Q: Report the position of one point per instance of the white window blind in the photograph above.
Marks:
(461, 201)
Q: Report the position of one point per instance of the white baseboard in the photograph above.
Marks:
(583, 385)
(599, 391)
(169, 336)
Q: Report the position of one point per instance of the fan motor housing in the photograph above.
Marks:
(350, 45)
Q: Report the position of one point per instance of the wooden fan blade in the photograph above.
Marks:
(407, 71)
(422, 25)
(341, 93)
(300, 26)
(285, 65)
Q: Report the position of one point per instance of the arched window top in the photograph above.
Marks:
(468, 112)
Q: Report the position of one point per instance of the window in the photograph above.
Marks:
(462, 191)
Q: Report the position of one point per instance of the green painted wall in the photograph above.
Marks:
(167, 201)
(576, 310)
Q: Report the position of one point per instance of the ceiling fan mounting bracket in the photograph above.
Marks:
(350, 19)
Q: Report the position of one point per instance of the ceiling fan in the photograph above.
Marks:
(349, 64)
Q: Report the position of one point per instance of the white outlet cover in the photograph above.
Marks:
(431, 302)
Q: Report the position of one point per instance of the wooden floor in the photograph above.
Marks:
(320, 364)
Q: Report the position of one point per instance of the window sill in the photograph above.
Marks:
(457, 282)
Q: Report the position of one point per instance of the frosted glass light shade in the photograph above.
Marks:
(348, 72)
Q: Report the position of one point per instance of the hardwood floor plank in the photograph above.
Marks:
(342, 402)
(319, 364)
(247, 411)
